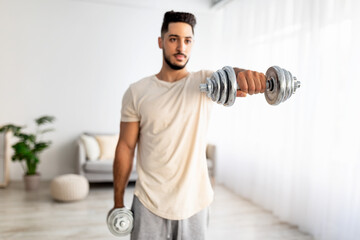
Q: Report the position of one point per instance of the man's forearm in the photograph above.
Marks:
(121, 170)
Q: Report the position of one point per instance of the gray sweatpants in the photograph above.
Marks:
(148, 226)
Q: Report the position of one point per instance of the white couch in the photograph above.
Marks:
(98, 171)
(101, 171)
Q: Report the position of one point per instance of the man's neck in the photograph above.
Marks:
(170, 75)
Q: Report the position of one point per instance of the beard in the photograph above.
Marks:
(173, 66)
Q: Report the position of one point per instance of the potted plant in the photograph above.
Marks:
(28, 147)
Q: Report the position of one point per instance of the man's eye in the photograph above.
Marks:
(172, 39)
(188, 41)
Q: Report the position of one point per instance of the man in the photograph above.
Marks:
(167, 116)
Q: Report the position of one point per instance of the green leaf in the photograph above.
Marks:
(44, 119)
(47, 130)
(40, 146)
(22, 151)
(11, 127)
(27, 137)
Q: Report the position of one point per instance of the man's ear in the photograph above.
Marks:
(160, 42)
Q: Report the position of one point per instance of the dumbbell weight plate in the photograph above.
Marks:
(120, 222)
(276, 95)
(282, 84)
(288, 84)
(232, 88)
(223, 86)
(216, 87)
(270, 92)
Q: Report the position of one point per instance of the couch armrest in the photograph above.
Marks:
(81, 159)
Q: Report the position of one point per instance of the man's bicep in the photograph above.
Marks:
(129, 134)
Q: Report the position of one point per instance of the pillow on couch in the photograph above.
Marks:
(92, 148)
(107, 144)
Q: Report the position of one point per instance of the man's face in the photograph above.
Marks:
(177, 44)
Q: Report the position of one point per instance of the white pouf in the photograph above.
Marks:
(69, 187)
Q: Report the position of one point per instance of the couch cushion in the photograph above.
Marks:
(107, 145)
(104, 166)
(92, 148)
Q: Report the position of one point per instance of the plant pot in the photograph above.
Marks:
(32, 181)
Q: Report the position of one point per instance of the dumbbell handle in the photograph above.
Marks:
(269, 85)
(204, 86)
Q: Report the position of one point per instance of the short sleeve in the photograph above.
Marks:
(128, 110)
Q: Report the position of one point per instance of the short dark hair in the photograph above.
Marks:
(172, 16)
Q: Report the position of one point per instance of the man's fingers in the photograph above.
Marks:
(241, 80)
(240, 94)
(250, 82)
(257, 82)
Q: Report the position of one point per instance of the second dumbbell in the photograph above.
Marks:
(120, 221)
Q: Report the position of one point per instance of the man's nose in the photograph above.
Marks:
(181, 46)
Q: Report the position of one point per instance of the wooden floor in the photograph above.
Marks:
(34, 215)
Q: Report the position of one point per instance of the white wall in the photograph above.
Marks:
(74, 60)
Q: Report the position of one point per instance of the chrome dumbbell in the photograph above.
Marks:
(221, 87)
(120, 221)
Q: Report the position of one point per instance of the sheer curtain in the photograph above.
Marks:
(301, 159)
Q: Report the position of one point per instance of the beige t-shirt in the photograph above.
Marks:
(173, 180)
